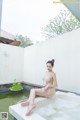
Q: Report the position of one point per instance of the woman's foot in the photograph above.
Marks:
(30, 109)
(25, 103)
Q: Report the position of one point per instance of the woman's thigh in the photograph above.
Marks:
(46, 93)
(40, 92)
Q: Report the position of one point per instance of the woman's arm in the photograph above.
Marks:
(54, 81)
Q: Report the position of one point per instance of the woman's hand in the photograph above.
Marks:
(46, 87)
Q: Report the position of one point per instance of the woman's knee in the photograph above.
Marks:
(32, 90)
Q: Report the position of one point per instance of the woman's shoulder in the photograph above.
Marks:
(53, 73)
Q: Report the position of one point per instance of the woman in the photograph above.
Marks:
(47, 91)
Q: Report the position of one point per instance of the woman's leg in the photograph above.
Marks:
(31, 99)
(32, 96)
(25, 103)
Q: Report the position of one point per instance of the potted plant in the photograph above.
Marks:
(16, 86)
